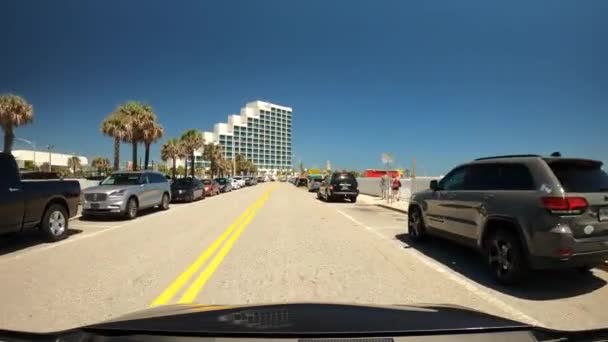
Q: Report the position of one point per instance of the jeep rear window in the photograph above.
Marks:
(580, 176)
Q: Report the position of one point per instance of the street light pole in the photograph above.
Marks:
(50, 147)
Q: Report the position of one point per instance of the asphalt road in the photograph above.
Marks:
(268, 243)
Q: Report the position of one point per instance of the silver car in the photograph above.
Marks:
(125, 193)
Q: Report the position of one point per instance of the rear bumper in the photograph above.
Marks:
(576, 260)
(584, 252)
(344, 193)
(180, 197)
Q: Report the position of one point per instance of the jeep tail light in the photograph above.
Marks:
(565, 205)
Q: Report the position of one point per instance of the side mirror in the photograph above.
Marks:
(434, 185)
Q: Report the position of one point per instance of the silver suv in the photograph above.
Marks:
(522, 212)
(125, 193)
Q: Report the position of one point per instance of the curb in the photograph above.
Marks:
(391, 208)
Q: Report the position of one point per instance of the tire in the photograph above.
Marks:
(54, 223)
(415, 225)
(353, 199)
(585, 269)
(164, 202)
(190, 198)
(328, 197)
(318, 195)
(131, 210)
(506, 257)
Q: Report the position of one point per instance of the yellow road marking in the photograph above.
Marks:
(182, 279)
(195, 288)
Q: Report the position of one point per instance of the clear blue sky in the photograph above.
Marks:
(444, 81)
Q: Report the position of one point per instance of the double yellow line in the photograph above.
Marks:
(197, 285)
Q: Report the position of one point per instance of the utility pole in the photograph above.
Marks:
(50, 147)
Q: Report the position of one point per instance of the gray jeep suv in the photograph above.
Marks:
(522, 212)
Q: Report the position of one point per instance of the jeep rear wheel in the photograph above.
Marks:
(416, 228)
(506, 257)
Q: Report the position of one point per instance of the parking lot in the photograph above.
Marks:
(267, 243)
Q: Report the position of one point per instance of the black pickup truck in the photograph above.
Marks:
(46, 204)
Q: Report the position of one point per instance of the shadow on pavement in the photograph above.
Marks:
(29, 238)
(540, 285)
(116, 217)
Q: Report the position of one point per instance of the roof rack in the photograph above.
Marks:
(510, 156)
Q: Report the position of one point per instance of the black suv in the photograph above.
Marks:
(340, 185)
(522, 212)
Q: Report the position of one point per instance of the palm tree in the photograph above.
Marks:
(151, 133)
(193, 140)
(14, 111)
(115, 126)
(74, 163)
(100, 163)
(171, 150)
(138, 116)
(214, 155)
(183, 154)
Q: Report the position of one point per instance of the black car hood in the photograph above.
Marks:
(306, 319)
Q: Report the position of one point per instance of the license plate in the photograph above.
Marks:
(603, 213)
(94, 205)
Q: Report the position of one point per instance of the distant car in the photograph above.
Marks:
(236, 184)
(302, 181)
(211, 187)
(249, 181)
(273, 178)
(241, 181)
(261, 179)
(187, 189)
(283, 179)
(127, 192)
(225, 184)
(523, 212)
(339, 185)
(314, 185)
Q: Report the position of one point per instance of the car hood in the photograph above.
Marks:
(106, 188)
(306, 319)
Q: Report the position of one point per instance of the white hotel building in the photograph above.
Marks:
(261, 133)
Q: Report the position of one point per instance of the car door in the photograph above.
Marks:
(439, 207)
(199, 188)
(12, 205)
(157, 183)
(145, 192)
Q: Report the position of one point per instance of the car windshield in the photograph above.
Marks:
(122, 179)
(167, 154)
(581, 176)
(183, 181)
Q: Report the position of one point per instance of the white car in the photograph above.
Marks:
(235, 183)
(240, 180)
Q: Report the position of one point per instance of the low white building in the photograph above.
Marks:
(41, 157)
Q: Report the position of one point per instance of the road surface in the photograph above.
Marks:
(268, 243)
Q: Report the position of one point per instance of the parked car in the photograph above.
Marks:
(235, 183)
(249, 181)
(339, 185)
(126, 193)
(260, 179)
(314, 185)
(283, 179)
(211, 187)
(523, 212)
(225, 184)
(46, 204)
(241, 181)
(273, 178)
(301, 181)
(187, 189)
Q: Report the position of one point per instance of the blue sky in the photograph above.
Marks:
(441, 81)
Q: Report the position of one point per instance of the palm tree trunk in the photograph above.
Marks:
(146, 155)
(173, 169)
(9, 137)
(192, 165)
(186, 166)
(116, 153)
(134, 156)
